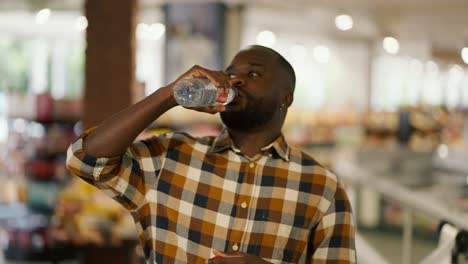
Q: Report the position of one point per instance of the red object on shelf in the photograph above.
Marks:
(44, 107)
(28, 238)
(41, 169)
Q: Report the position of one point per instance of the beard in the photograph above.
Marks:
(256, 115)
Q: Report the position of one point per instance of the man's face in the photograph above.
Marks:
(254, 76)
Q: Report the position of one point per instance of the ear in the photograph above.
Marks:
(288, 98)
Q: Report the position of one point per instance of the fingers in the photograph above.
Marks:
(219, 253)
(227, 260)
(210, 109)
(217, 108)
(222, 257)
(218, 78)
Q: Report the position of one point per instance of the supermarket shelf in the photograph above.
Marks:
(453, 161)
(404, 196)
(410, 201)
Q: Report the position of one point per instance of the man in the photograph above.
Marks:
(244, 196)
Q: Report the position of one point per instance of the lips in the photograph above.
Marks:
(237, 98)
(222, 98)
(238, 92)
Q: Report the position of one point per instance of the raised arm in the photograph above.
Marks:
(115, 134)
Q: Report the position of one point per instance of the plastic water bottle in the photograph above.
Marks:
(194, 92)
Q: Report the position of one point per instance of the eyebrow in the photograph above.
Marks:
(254, 64)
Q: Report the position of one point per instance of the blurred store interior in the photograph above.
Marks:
(381, 98)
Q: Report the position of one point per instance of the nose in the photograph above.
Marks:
(237, 81)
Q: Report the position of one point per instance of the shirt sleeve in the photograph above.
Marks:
(332, 239)
(124, 177)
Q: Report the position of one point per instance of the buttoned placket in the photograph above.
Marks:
(248, 168)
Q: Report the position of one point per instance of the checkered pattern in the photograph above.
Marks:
(190, 195)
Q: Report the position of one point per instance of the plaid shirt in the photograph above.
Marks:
(189, 195)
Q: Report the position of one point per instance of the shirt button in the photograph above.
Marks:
(244, 205)
(235, 247)
(251, 165)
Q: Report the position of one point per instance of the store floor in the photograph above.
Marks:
(389, 245)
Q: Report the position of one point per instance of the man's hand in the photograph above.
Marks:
(238, 257)
(209, 109)
(218, 78)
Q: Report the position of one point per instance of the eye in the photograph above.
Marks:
(232, 76)
(253, 75)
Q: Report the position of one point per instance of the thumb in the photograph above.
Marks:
(216, 109)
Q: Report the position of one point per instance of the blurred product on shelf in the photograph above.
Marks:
(29, 239)
(419, 129)
(43, 107)
(84, 215)
(33, 164)
(46, 214)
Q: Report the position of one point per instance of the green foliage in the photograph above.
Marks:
(15, 60)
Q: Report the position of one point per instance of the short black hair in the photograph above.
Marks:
(285, 65)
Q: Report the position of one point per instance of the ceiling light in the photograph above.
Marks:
(156, 30)
(344, 22)
(142, 30)
(42, 16)
(464, 54)
(322, 54)
(391, 45)
(81, 23)
(266, 38)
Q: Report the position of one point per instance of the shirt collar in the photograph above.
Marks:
(224, 141)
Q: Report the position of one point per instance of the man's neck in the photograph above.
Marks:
(250, 143)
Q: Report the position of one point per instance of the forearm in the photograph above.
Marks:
(118, 132)
(115, 134)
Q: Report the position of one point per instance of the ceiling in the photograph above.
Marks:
(443, 22)
(359, 4)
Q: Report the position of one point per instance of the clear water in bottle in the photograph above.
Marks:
(194, 92)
